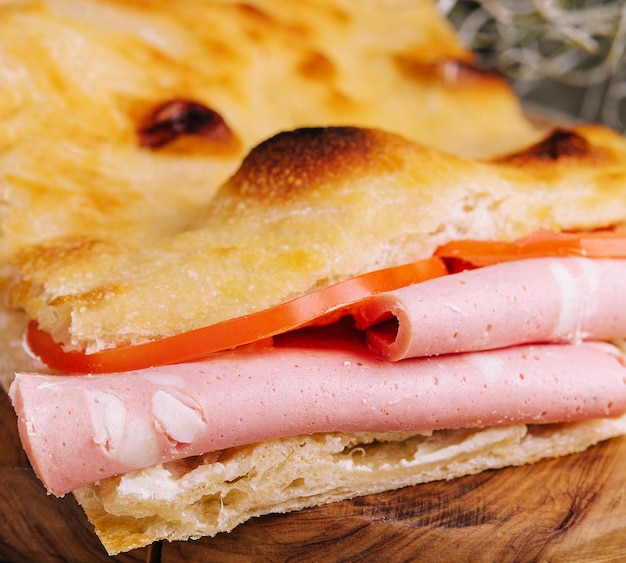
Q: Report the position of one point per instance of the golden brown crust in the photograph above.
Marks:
(76, 123)
(178, 119)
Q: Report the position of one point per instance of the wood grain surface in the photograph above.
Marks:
(569, 509)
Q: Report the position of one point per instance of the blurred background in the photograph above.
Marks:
(567, 56)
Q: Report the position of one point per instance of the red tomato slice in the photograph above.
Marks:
(477, 253)
(321, 306)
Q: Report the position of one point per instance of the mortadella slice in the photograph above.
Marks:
(534, 300)
(80, 429)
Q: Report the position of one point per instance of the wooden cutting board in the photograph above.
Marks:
(569, 509)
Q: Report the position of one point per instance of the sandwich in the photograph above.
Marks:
(308, 322)
(445, 366)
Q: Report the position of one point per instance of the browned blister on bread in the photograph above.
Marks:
(561, 145)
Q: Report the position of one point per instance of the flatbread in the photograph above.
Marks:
(312, 207)
(219, 491)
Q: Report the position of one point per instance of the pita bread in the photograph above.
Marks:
(317, 205)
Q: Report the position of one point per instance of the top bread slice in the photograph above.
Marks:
(308, 208)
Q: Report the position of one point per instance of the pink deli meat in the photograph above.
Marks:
(80, 429)
(534, 300)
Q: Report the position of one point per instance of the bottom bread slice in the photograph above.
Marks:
(216, 492)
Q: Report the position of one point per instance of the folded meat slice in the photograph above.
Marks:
(534, 300)
(80, 429)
